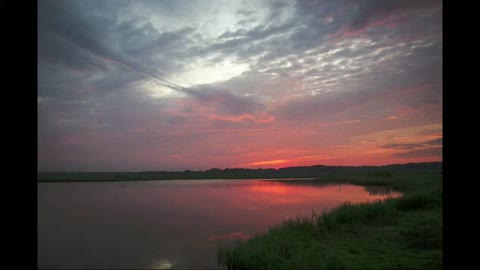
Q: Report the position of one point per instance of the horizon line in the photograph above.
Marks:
(259, 168)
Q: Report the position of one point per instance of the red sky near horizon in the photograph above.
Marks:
(259, 84)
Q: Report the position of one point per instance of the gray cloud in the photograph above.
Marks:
(83, 40)
(409, 146)
(373, 10)
(424, 152)
(224, 101)
(113, 73)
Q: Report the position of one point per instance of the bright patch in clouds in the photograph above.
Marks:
(210, 72)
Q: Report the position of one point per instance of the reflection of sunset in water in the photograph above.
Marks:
(276, 189)
(229, 236)
(269, 192)
(259, 205)
(177, 223)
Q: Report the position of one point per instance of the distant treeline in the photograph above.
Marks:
(240, 173)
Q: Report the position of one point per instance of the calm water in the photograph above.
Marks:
(161, 224)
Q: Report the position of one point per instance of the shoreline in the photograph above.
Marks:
(400, 233)
(205, 179)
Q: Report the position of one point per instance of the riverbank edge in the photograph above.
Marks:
(400, 233)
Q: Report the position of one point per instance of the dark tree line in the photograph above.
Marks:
(241, 173)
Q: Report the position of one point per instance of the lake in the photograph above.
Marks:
(174, 223)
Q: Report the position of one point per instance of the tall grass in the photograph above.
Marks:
(420, 200)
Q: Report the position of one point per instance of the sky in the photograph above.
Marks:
(176, 85)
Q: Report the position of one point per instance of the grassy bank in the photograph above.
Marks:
(402, 233)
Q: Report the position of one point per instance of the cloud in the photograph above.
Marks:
(409, 146)
(199, 84)
(88, 40)
(224, 101)
(425, 152)
(414, 150)
(368, 12)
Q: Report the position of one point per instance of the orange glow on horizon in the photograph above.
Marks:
(267, 162)
(392, 146)
(373, 159)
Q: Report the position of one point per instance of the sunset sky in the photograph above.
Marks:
(175, 85)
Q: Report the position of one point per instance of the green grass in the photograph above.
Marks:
(401, 233)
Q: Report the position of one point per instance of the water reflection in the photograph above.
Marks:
(161, 264)
(129, 224)
(229, 236)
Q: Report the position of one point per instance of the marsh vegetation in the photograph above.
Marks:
(398, 233)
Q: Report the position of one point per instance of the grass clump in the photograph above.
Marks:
(357, 214)
(420, 200)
